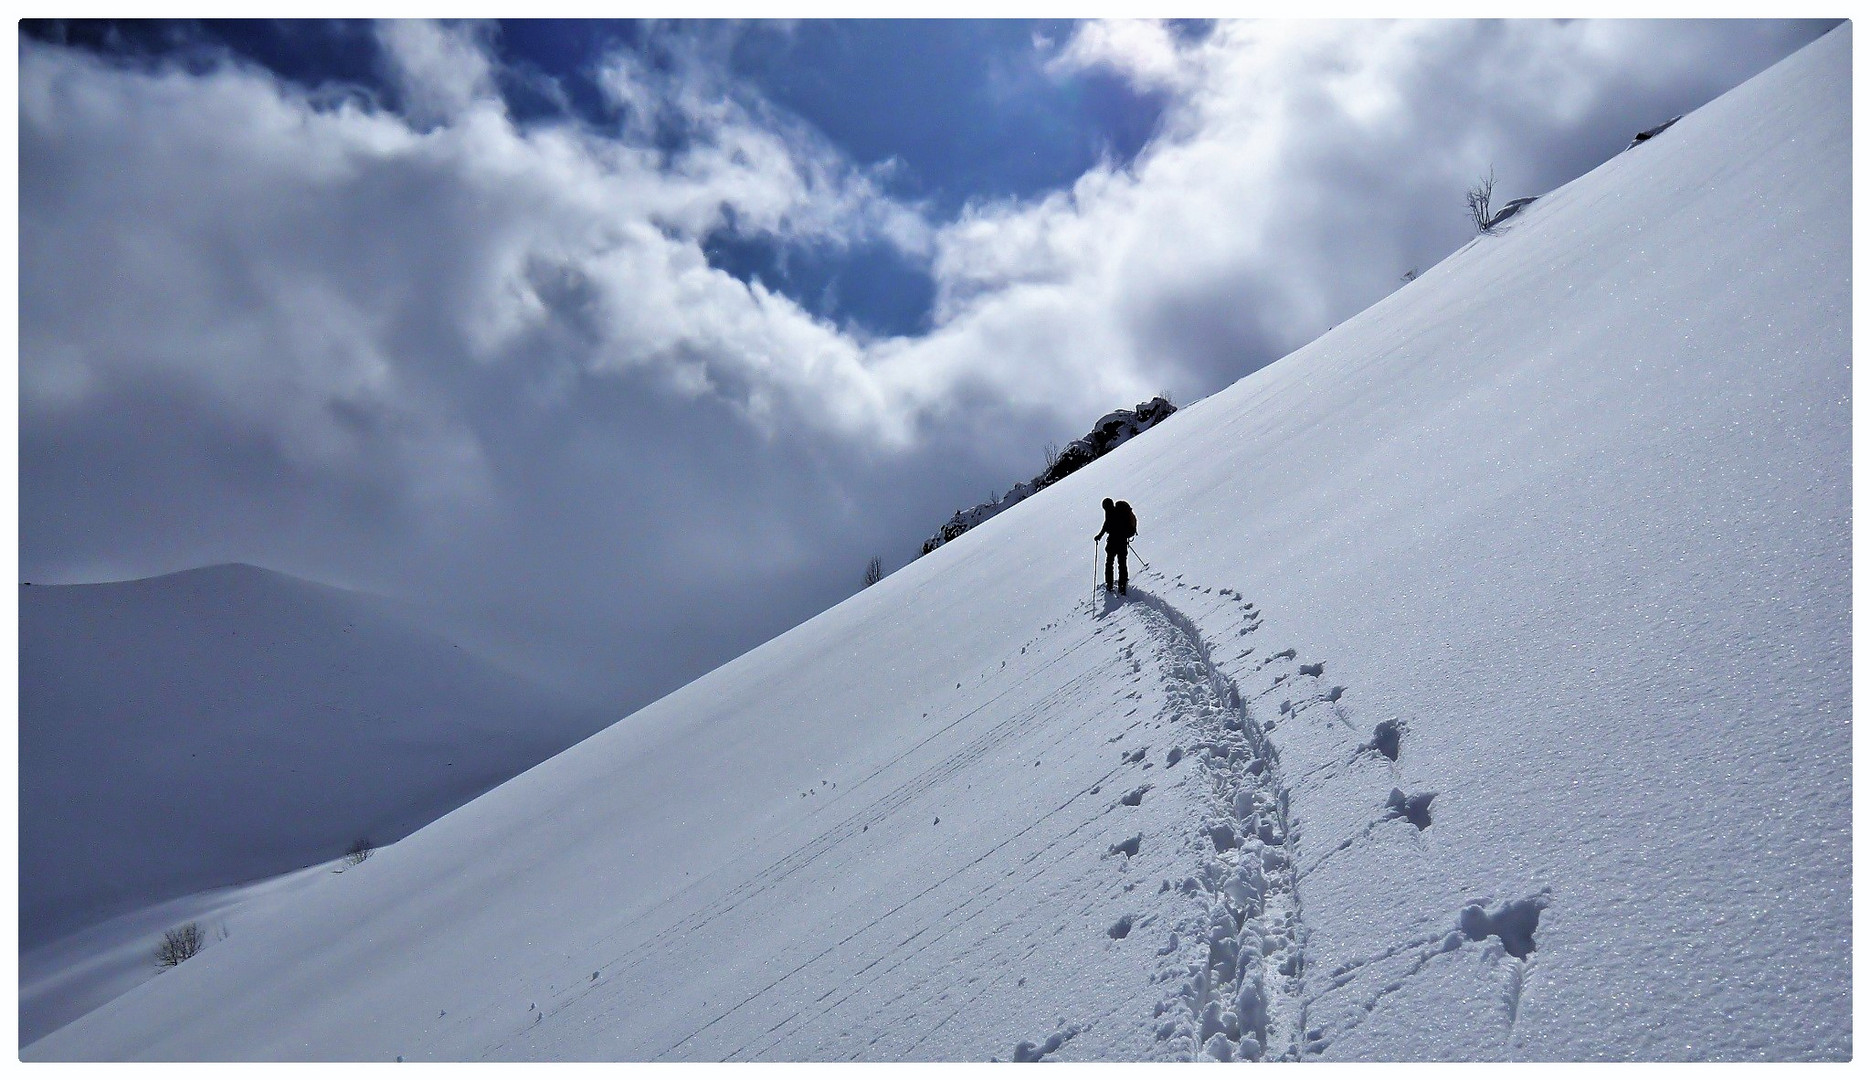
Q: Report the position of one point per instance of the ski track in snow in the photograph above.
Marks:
(1247, 991)
(1239, 992)
(1234, 962)
(828, 841)
(1319, 1008)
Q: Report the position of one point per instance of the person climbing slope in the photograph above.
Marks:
(1120, 526)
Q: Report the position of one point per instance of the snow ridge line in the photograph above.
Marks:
(1240, 996)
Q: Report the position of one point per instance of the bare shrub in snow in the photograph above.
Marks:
(873, 572)
(179, 944)
(1480, 201)
(360, 850)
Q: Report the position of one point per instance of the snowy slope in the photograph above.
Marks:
(62, 979)
(1568, 517)
(226, 724)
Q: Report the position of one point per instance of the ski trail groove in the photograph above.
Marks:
(1240, 997)
(877, 810)
(862, 979)
(939, 883)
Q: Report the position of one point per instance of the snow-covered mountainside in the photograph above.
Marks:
(1488, 696)
(221, 725)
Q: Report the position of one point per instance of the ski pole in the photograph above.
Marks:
(1139, 556)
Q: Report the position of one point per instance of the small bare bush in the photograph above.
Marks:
(873, 572)
(359, 851)
(1480, 201)
(179, 944)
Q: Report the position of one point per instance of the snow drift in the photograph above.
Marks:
(1489, 697)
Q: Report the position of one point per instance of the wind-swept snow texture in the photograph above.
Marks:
(1488, 698)
(227, 724)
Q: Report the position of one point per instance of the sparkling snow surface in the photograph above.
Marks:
(1563, 525)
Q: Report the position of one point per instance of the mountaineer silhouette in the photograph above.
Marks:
(1119, 526)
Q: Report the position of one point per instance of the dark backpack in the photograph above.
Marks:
(1126, 521)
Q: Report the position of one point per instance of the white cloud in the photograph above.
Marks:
(1144, 51)
(295, 256)
(441, 71)
(308, 266)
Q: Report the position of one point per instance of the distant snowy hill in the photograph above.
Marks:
(1488, 697)
(226, 724)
